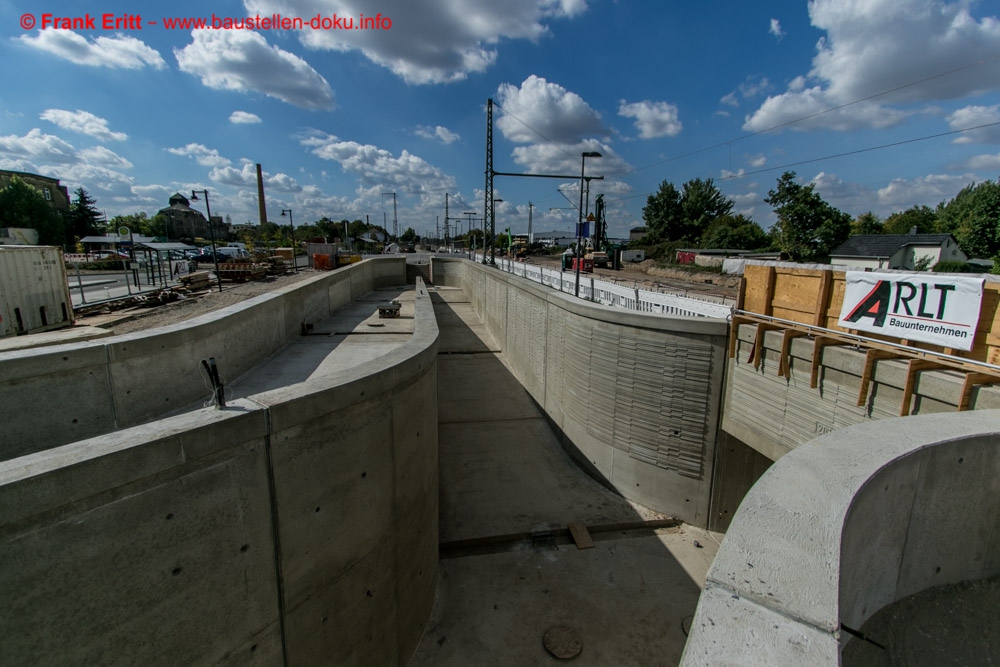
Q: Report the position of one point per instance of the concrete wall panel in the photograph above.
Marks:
(636, 395)
(146, 550)
(53, 394)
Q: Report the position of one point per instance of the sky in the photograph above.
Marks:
(882, 104)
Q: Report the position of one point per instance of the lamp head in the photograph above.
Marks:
(591, 154)
(194, 196)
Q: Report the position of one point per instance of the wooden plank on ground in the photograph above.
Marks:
(581, 536)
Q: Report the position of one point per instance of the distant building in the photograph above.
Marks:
(55, 194)
(637, 233)
(897, 251)
(184, 222)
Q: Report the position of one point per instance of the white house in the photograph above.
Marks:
(897, 251)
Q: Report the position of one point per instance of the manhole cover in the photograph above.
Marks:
(563, 642)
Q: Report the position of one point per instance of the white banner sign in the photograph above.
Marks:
(943, 310)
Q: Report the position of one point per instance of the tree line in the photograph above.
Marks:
(808, 228)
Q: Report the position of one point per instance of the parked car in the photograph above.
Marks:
(207, 258)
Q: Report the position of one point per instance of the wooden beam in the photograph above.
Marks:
(784, 366)
(818, 344)
(741, 294)
(971, 380)
(823, 298)
(734, 338)
(914, 367)
(871, 356)
(758, 343)
(581, 536)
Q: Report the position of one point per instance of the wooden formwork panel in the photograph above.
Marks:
(814, 297)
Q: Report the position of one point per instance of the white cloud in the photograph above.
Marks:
(775, 29)
(749, 89)
(565, 159)
(438, 133)
(988, 163)
(900, 194)
(206, 157)
(880, 45)
(243, 61)
(652, 119)
(543, 111)
(119, 51)
(729, 99)
(101, 156)
(83, 122)
(38, 148)
(974, 116)
(244, 118)
(246, 177)
(756, 161)
(377, 167)
(428, 42)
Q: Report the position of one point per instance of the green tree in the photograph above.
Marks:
(408, 236)
(22, 205)
(973, 216)
(84, 218)
(867, 224)
(736, 232)
(921, 217)
(662, 214)
(808, 228)
(701, 203)
(140, 223)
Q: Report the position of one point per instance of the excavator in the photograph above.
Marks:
(599, 254)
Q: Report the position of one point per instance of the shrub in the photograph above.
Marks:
(951, 266)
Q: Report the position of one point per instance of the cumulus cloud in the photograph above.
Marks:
(405, 173)
(206, 157)
(101, 156)
(437, 133)
(975, 116)
(243, 61)
(244, 118)
(38, 148)
(565, 159)
(652, 119)
(775, 29)
(119, 51)
(543, 111)
(870, 48)
(981, 163)
(246, 176)
(434, 41)
(83, 122)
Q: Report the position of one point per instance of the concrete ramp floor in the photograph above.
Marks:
(510, 568)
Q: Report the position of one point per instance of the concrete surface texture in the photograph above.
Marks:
(296, 526)
(123, 381)
(846, 525)
(774, 415)
(506, 476)
(637, 395)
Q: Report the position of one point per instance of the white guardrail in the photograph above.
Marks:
(619, 296)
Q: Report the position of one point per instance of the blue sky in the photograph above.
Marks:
(733, 90)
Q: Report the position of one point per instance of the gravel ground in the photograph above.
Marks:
(140, 319)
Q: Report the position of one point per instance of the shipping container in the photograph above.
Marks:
(34, 292)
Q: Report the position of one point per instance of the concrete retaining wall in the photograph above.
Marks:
(298, 526)
(636, 395)
(57, 395)
(774, 415)
(845, 525)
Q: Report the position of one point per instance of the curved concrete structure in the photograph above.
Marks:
(845, 525)
(637, 397)
(297, 526)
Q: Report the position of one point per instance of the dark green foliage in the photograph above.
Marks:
(22, 205)
(921, 217)
(867, 224)
(683, 216)
(950, 266)
(973, 216)
(808, 228)
(84, 218)
(735, 232)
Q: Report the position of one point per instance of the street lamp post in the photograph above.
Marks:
(579, 224)
(295, 264)
(211, 232)
(469, 214)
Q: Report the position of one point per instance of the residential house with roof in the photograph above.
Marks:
(897, 251)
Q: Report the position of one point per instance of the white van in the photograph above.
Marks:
(231, 252)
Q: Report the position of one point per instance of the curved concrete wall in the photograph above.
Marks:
(98, 387)
(636, 396)
(298, 526)
(845, 525)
